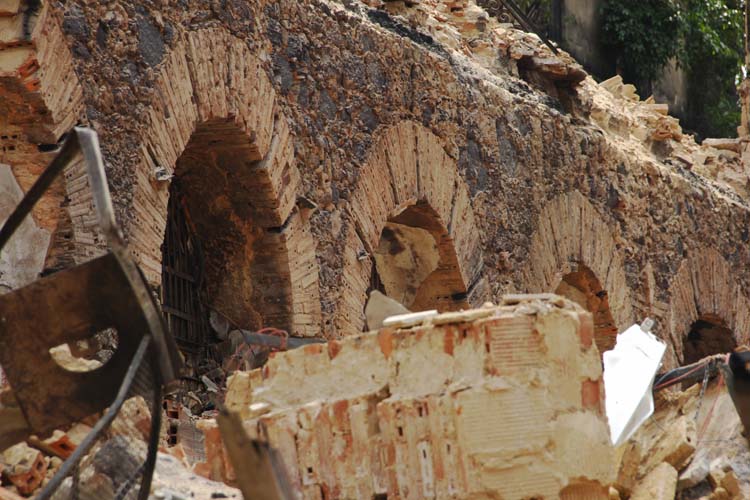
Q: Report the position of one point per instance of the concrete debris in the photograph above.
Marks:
(24, 467)
(702, 442)
(63, 356)
(304, 400)
(735, 145)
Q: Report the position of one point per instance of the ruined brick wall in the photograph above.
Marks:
(354, 114)
(496, 401)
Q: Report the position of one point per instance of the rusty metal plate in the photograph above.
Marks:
(65, 307)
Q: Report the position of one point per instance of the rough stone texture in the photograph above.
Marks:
(493, 406)
(659, 484)
(365, 112)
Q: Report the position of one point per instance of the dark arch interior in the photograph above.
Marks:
(223, 258)
(583, 287)
(708, 335)
(415, 262)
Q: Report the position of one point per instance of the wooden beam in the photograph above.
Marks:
(259, 469)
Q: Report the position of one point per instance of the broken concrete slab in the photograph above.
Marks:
(379, 307)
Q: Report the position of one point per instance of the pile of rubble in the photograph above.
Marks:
(27, 466)
(646, 128)
(692, 448)
(490, 49)
(501, 400)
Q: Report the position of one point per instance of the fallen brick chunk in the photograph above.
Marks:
(62, 444)
(676, 446)
(722, 477)
(25, 468)
(659, 484)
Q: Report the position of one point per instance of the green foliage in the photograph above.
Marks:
(705, 36)
(713, 55)
(642, 34)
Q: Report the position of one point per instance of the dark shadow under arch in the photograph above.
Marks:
(708, 335)
(583, 287)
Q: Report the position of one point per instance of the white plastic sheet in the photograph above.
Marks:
(629, 371)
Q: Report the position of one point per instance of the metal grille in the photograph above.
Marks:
(542, 17)
(535, 12)
(182, 272)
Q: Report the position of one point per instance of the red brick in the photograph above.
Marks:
(28, 481)
(334, 348)
(312, 349)
(591, 395)
(385, 339)
(448, 342)
(586, 330)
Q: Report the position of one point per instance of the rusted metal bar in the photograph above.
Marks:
(106, 292)
(518, 15)
(37, 190)
(276, 342)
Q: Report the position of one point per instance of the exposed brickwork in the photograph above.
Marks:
(706, 285)
(584, 288)
(40, 99)
(217, 129)
(409, 179)
(571, 232)
(499, 411)
(467, 91)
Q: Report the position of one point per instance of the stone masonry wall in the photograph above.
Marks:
(515, 136)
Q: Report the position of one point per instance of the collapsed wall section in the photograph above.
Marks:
(501, 400)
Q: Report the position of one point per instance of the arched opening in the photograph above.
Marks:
(223, 249)
(415, 262)
(708, 335)
(583, 287)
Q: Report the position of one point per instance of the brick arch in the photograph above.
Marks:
(41, 98)
(408, 175)
(216, 127)
(704, 289)
(572, 239)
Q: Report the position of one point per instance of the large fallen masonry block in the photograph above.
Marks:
(502, 402)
